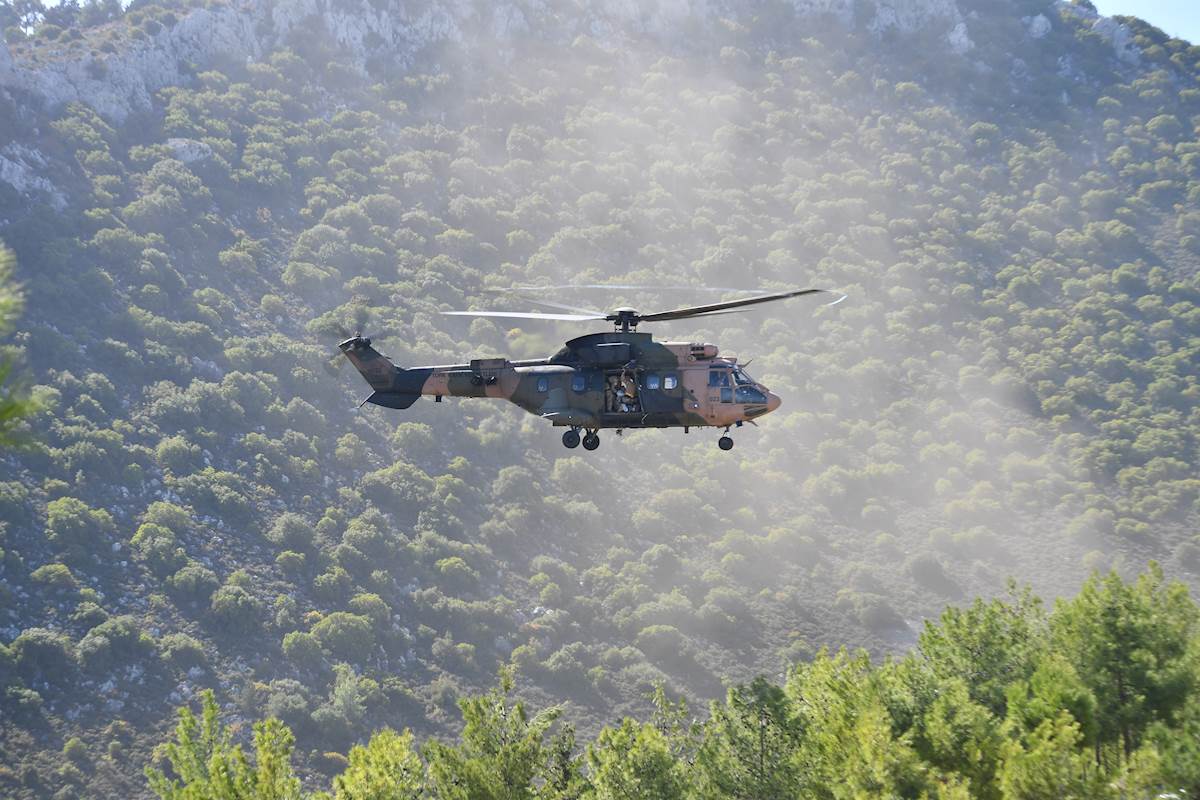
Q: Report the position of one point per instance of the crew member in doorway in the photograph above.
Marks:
(629, 387)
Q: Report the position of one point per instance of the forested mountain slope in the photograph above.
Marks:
(1010, 193)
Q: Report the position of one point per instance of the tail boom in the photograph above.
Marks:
(395, 387)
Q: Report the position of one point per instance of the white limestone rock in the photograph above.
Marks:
(1121, 37)
(958, 39)
(189, 151)
(911, 15)
(401, 31)
(1036, 26)
(6, 62)
(1116, 33)
(842, 10)
(19, 168)
(119, 83)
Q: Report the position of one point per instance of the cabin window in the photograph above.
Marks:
(543, 384)
(749, 394)
(652, 382)
(579, 382)
(670, 382)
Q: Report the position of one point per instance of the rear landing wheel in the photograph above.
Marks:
(591, 441)
(571, 439)
(725, 443)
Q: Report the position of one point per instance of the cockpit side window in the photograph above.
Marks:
(718, 377)
(750, 394)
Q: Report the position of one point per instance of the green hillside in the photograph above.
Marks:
(999, 700)
(1011, 389)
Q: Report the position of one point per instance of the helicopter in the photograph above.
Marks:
(619, 379)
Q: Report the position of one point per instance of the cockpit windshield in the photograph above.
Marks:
(741, 378)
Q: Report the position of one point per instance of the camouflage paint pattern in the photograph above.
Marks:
(678, 384)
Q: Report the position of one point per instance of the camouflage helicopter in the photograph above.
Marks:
(616, 379)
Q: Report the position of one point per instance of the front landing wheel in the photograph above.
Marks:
(591, 441)
(571, 439)
(725, 443)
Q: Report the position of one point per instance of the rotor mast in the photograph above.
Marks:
(625, 318)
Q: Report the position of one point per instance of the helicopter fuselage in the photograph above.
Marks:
(602, 380)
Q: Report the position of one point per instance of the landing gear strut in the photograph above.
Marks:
(571, 438)
(591, 441)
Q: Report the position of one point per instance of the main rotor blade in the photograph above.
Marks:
(716, 308)
(622, 286)
(525, 315)
(563, 307)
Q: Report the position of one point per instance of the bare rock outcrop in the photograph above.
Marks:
(116, 84)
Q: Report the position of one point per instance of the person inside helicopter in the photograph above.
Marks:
(629, 388)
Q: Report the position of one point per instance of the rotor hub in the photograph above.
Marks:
(625, 318)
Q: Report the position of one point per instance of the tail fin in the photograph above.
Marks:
(379, 371)
(392, 386)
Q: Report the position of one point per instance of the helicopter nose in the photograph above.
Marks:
(773, 401)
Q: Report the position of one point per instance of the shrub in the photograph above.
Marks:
(156, 547)
(193, 582)
(457, 573)
(24, 703)
(292, 531)
(287, 701)
(235, 610)
(178, 455)
(55, 576)
(290, 562)
(76, 752)
(71, 524)
(334, 584)
(88, 615)
(41, 653)
(182, 651)
(116, 640)
(303, 649)
(372, 605)
(347, 635)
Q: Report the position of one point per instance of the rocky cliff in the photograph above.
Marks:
(117, 83)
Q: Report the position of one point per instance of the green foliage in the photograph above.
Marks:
(1010, 388)
(748, 744)
(633, 760)
(841, 726)
(236, 610)
(182, 651)
(386, 768)
(344, 634)
(74, 527)
(500, 753)
(291, 531)
(158, 548)
(42, 654)
(115, 641)
(205, 764)
(16, 403)
(55, 576)
(303, 649)
(1131, 646)
(194, 583)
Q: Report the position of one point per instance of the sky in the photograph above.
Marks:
(1179, 18)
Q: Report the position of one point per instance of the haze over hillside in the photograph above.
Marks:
(201, 196)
